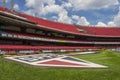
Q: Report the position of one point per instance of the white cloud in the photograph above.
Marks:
(75, 17)
(30, 3)
(54, 17)
(41, 7)
(38, 3)
(52, 9)
(116, 19)
(67, 5)
(101, 24)
(80, 20)
(64, 18)
(44, 7)
(92, 4)
(59, 10)
(16, 6)
(30, 12)
(111, 24)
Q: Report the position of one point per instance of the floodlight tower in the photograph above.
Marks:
(4, 3)
(12, 5)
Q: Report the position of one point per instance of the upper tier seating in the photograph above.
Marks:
(103, 31)
(53, 25)
(14, 15)
(91, 31)
(45, 23)
(13, 12)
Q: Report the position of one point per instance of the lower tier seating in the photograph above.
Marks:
(45, 38)
(26, 47)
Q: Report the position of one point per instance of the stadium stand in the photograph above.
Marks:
(19, 31)
(3, 32)
(26, 47)
(104, 31)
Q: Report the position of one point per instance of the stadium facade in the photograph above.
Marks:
(22, 33)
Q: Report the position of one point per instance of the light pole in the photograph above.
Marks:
(12, 5)
(4, 3)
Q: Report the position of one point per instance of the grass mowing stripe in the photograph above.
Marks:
(13, 71)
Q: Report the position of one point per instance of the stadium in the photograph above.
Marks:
(23, 34)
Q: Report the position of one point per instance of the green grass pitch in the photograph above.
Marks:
(13, 71)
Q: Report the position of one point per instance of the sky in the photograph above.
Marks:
(103, 13)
